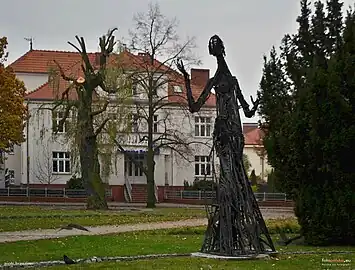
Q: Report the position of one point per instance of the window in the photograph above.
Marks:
(203, 126)
(155, 123)
(177, 89)
(202, 166)
(112, 116)
(9, 177)
(134, 123)
(10, 174)
(131, 168)
(134, 87)
(155, 86)
(61, 162)
(11, 150)
(57, 116)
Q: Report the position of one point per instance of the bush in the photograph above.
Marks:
(289, 225)
(334, 227)
(273, 182)
(75, 183)
(206, 185)
(254, 188)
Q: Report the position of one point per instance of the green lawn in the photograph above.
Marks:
(26, 218)
(184, 240)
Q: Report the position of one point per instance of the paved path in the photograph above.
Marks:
(109, 229)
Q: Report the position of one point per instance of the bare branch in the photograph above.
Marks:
(62, 74)
(103, 109)
(43, 171)
(75, 47)
(65, 117)
(100, 128)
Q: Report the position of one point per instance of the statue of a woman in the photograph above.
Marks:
(237, 226)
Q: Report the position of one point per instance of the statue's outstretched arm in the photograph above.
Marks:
(247, 112)
(195, 106)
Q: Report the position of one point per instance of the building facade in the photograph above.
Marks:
(46, 158)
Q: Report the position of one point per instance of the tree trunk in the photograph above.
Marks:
(150, 153)
(89, 163)
(150, 179)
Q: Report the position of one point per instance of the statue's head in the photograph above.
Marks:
(216, 47)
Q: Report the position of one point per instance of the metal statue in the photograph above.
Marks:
(236, 226)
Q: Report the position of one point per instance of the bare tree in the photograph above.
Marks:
(43, 170)
(89, 96)
(155, 103)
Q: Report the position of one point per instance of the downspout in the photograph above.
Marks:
(172, 167)
(27, 154)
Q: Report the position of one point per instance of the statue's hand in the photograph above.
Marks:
(181, 68)
(255, 102)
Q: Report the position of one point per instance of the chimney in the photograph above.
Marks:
(145, 56)
(249, 127)
(97, 59)
(200, 76)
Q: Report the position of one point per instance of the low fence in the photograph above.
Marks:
(46, 192)
(168, 196)
(210, 195)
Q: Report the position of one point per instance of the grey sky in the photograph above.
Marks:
(249, 28)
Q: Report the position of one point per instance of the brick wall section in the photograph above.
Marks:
(117, 193)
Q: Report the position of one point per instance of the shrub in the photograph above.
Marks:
(75, 183)
(289, 225)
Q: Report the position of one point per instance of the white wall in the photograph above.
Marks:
(41, 142)
(256, 161)
(32, 80)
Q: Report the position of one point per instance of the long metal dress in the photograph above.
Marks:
(236, 226)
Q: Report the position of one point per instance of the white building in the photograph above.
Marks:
(45, 158)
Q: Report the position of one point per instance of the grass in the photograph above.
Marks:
(284, 262)
(19, 218)
(183, 240)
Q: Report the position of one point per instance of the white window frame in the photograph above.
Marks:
(11, 174)
(57, 116)
(58, 158)
(135, 87)
(11, 150)
(203, 126)
(131, 169)
(203, 166)
(10, 177)
(155, 123)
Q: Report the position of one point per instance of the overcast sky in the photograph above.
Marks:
(249, 28)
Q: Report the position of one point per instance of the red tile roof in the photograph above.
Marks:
(253, 137)
(41, 61)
